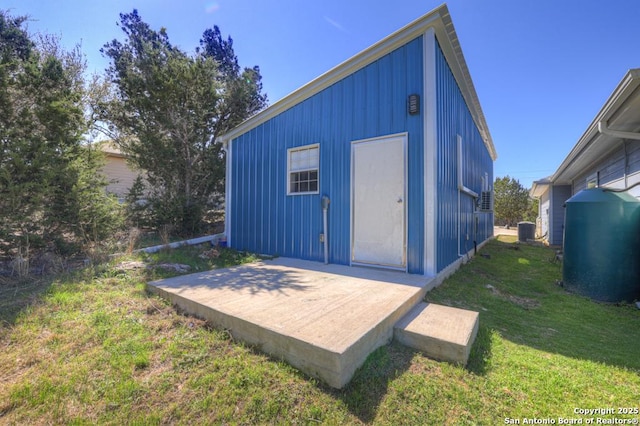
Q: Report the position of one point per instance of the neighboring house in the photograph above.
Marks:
(550, 226)
(607, 154)
(119, 173)
(394, 137)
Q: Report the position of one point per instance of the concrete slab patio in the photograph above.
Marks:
(323, 319)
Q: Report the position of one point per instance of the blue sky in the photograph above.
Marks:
(542, 68)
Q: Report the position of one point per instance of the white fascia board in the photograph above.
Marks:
(591, 136)
(539, 187)
(450, 45)
(438, 19)
(430, 123)
(339, 72)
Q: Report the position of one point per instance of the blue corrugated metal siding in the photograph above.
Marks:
(369, 103)
(454, 118)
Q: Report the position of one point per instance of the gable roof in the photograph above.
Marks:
(438, 19)
(109, 148)
(539, 187)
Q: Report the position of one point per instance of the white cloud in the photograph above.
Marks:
(334, 24)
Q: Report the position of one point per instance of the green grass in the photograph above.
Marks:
(95, 347)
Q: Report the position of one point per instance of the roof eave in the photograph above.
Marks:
(539, 187)
(625, 88)
(440, 20)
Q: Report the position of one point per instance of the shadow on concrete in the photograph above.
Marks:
(362, 272)
(282, 275)
(243, 278)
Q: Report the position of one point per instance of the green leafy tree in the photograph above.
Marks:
(532, 212)
(511, 202)
(167, 109)
(46, 174)
(242, 96)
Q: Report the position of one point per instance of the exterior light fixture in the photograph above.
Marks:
(414, 104)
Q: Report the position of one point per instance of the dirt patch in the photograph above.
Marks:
(132, 265)
(523, 302)
(39, 264)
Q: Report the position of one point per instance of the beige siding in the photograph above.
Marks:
(120, 175)
(544, 214)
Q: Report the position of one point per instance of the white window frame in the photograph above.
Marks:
(289, 171)
(593, 180)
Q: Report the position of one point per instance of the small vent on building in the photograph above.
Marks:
(486, 201)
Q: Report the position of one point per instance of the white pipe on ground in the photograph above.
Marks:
(191, 242)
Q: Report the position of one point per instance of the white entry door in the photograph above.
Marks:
(378, 202)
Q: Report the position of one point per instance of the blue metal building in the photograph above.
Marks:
(394, 138)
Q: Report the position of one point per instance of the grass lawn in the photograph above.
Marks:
(95, 347)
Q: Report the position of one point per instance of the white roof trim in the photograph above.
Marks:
(440, 20)
(109, 148)
(539, 187)
(625, 88)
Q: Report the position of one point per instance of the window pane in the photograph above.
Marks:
(298, 161)
(303, 170)
(304, 159)
(313, 158)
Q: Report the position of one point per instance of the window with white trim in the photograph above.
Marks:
(302, 169)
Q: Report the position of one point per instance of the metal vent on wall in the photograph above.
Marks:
(486, 201)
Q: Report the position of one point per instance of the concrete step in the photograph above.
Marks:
(441, 332)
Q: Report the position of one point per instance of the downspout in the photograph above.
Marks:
(459, 219)
(603, 129)
(325, 229)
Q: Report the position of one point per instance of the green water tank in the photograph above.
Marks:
(602, 245)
